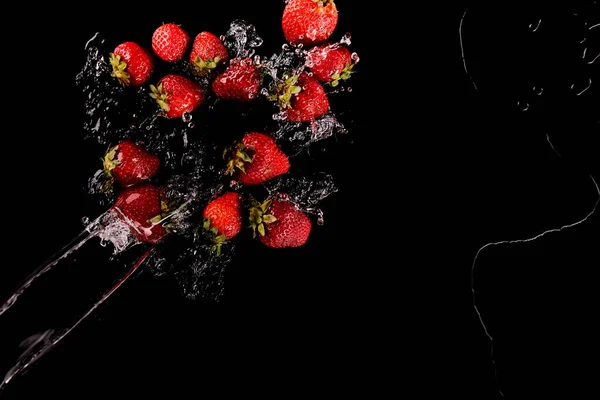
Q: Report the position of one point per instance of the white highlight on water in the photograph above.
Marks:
(462, 50)
(523, 241)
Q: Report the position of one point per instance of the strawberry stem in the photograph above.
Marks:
(237, 157)
(161, 97)
(284, 91)
(119, 67)
(212, 234)
(259, 217)
(344, 75)
(204, 67)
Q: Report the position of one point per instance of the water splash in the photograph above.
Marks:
(302, 135)
(36, 346)
(305, 192)
(241, 39)
(109, 227)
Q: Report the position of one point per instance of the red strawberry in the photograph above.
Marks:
(279, 224)
(309, 21)
(207, 52)
(130, 164)
(132, 64)
(258, 159)
(141, 206)
(223, 219)
(170, 42)
(330, 63)
(176, 95)
(240, 81)
(301, 99)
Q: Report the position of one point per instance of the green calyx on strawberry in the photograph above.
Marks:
(161, 97)
(237, 157)
(259, 216)
(284, 91)
(344, 75)
(213, 236)
(205, 66)
(119, 66)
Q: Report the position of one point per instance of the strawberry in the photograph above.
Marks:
(258, 159)
(330, 63)
(279, 223)
(130, 164)
(141, 207)
(208, 52)
(223, 219)
(132, 64)
(309, 21)
(176, 95)
(301, 99)
(240, 81)
(170, 42)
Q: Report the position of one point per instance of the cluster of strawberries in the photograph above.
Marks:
(253, 160)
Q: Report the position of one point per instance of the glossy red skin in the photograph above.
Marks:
(184, 95)
(307, 22)
(328, 60)
(139, 204)
(135, 164)
(268, 161)
(170, 42)
(140, 63)
(208, 46)
(225, 213)
(291, 229)
(240, 81)
(310, 103)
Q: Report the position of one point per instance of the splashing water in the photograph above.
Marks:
(191, 174)
(241, 39)
(108, 227)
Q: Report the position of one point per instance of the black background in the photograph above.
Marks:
(379, 300)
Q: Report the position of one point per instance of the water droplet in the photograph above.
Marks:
(186, 117)
(538, 90)
(349, 89)
(285, 46)
(299, 46)
(534, 27)
(346, 39)
(355, 58)
(523, 105)
(191, 125)
(257, 59)
(85, 221)
(320, 217)
(222, 37)
(235, 185)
